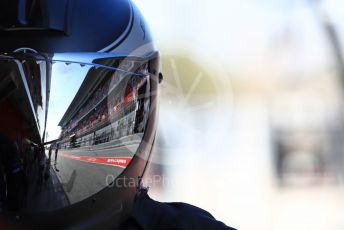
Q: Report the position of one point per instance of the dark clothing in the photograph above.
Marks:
(56, 151)
(50, 151)
(11, 169)
(149, 215)
(9, 156)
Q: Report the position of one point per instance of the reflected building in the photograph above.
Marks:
(24, 95)
(109, 106)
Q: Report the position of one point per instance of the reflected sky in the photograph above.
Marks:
(65, 82)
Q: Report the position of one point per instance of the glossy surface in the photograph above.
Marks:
(97, 115)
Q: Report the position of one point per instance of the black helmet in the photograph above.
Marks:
(78, 93)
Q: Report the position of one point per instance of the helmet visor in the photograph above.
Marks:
(80, 120)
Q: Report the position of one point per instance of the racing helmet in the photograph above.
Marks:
(78, 101)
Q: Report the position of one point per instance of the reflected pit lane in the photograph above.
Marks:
(84, 172)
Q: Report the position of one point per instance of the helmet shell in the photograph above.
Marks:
(77, 26)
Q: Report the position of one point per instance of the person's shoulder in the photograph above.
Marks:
(151, 214)
(192, 217)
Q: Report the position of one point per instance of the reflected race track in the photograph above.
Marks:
(100, 165)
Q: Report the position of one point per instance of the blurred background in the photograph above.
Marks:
(251, 116)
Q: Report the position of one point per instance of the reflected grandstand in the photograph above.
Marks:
(109, 106)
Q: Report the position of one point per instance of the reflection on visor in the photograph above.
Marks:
(96, 116)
